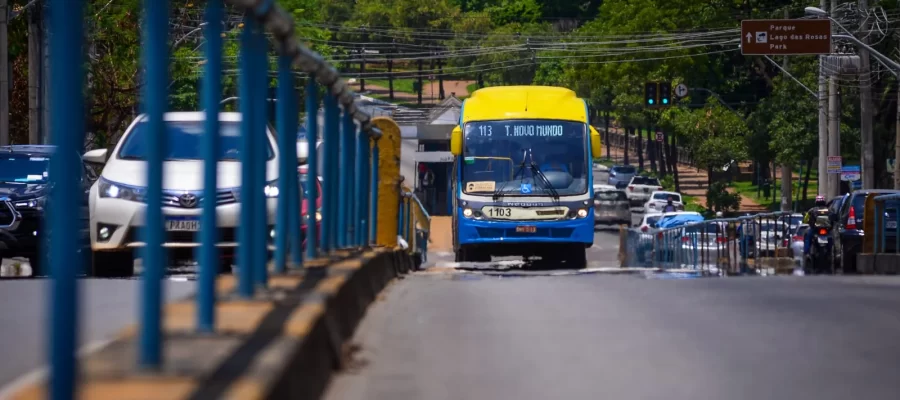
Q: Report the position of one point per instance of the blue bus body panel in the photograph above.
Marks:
(473, 231)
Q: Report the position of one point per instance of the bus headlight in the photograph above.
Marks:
(582, 213)
(467, 213)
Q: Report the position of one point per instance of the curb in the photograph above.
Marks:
(284, 343)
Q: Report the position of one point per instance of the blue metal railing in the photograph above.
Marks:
(348, 204)
(414, 224)
(718, 246)
(881, 229)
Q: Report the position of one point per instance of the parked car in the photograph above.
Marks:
(640, 187)
(848, 230)
(795, 243)
(659, 199)
(648, 222)
(704, 242)
(24, 180)
(790, 222)
(620, 175)
(611, 206)
(304, 207)
(117, 199)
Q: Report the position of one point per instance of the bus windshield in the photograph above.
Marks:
(498, 157)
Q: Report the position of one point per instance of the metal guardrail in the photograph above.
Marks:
(881, 229)
(619, 140)
(348, 203)
(414, 224)
(724, 246)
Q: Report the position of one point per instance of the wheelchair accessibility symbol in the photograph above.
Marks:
(526, 188)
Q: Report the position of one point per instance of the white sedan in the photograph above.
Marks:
(117, 201)
(659, 199)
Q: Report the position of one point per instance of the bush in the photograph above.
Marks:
(719, 199)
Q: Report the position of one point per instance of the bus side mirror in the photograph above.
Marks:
(596, 146)
(456, 141)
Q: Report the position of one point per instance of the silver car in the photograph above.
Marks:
(796, 243)
(611, 207)
(620, 175)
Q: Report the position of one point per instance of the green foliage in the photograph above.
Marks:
(719, 199)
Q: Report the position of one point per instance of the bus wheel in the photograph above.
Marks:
(576, 257)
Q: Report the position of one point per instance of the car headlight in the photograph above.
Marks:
(467, 213)
(271, 189)
(582, 213)
(318, 217)
(36, 203)
(116, 191)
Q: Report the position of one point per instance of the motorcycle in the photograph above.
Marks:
(820, 249)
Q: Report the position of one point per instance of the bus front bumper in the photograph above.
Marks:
(473, 231)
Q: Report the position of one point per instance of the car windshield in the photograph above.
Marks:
(643, 180)
(304, 179)
(23, 168)
(665, 196)
(651, 221)
(625, 170)
(767, 226)
(793, 220)
(498, 156)
(802, 230)
(615, 195)
(184, 141)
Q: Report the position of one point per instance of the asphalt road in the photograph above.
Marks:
(108, 305)
(448, 334)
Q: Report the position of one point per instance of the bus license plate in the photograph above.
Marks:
(526, 229)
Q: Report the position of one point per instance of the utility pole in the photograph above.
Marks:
(390, 66)
(823, 124)
(897, 141)
(35, 45)
(787, 173)
(4, 73)
(440, 64)
(420, 83)
(834, 124)
(362, 63)
(865, 106)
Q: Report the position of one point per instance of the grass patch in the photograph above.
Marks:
(753, 192)
(400, 85)
(472, 87)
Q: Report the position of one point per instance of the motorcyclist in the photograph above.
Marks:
(810, 218)
(670, 206)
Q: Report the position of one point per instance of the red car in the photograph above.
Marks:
(304, 206)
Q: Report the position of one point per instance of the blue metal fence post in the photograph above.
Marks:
(288, 204)
(156, 64)
(66, 88)
(329, 202)
(245, 233)
(373, 199)
(312, 162)
(261, 148)
(360, 199)
(212, 89)
(335, 171)
(346, 177)
(401, 217)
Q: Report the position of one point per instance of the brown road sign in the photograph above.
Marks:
(785, 36)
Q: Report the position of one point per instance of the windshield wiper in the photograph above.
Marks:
(549, 186)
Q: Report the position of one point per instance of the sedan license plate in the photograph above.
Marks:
(823, 240)
(183, 224)
(526, 229)
(891, 225)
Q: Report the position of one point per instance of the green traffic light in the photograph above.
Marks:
(650, 101)
(665, 101)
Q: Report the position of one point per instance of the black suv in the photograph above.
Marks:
(24, 182)
(849, 237)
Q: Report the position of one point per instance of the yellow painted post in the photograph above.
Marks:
(868, 224)
(388, 181)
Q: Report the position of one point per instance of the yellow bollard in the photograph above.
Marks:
(388, 180)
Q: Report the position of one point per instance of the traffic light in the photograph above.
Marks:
(665, 93)
(650, 94)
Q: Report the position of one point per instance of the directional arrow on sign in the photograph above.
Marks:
(749, 36)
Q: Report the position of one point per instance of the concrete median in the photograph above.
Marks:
(284, 343)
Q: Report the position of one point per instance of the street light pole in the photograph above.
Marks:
(823, 126)
(834, 120)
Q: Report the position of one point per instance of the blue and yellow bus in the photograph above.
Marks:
(523, 175)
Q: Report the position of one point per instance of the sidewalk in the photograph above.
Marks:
(429, 91)
(692, 182)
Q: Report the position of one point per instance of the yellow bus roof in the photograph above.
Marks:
(524, 102)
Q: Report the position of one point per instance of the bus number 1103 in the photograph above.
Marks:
(499, 212)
